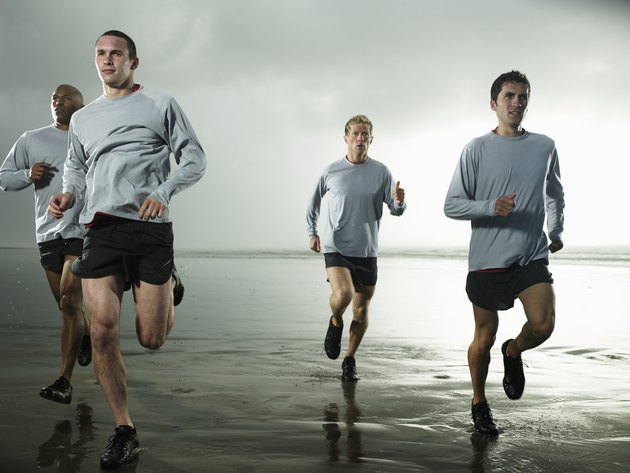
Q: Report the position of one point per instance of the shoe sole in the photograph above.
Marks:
(56, 399)
(333, 336)
(508, 387)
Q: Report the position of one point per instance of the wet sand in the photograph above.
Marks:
(243, 384)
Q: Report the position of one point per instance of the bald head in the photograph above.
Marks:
(65, 100)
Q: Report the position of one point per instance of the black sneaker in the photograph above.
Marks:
(178, 289)
(59, 391)
(332, 342)
(122, 448)
(84, 356)
(482, 418)
(514, 378)
(349, 370)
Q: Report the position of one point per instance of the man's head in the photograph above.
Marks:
(65, 100)
(512, 76)
(358, 136)
(358, 119)
(131, 45)
(509, 98)
(115, 60)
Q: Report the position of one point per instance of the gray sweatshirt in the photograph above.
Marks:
(356, 193)
(119, 154)
(491, 166)
(49, 145)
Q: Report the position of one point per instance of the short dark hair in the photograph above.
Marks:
(512, 76)
(131, 46)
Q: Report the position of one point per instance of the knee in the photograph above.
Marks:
(151, 341)
(485, 341)
(103, 336)
(543, 330)
(69, 303)
(343, 296)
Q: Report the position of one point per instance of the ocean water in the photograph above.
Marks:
(243, 384)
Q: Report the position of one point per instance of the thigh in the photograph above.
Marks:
(486, 322)
(153, 303)
(340, 278)
(69, 283)
(102, 298)
(539, 303)
(362, 296)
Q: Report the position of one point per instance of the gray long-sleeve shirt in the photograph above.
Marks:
(49, 145)
(119, 154)
(356, 193)
(491, 166)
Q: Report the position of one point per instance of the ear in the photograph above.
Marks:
(345, 138)
(135, 63)
(493, 105)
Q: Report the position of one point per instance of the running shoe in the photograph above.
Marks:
(514, 378)
(482, 418)
(121, 449)
(349, 370)
(178, 289)
(84, 356)
(332, 342)
(59, 391)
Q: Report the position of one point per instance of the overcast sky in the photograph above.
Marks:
(268, 86)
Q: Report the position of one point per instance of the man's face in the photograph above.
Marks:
(511, 104)
(358, 138)
(64, 102)
(113, 63)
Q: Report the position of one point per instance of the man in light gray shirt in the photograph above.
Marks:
(119, 156)
(357, 187)
(506, 183)
(36, 160)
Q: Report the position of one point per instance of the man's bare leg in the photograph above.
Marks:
(103, 299)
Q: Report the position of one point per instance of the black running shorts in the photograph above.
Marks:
(137, 250)
(497, 289)
(364, 271)
(52, 254)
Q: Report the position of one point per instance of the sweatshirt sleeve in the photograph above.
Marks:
(14, 170)
(460, 203)
(394, 209)
(314, 205)
(187, 151)
(75, 167)
(554, 199)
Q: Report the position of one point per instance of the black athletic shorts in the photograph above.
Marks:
(138, 250)
(364, 271)
(52, 254)
(496, 289)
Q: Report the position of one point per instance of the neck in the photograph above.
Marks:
(502, 130)
(121, 91)
(357, 158)
(61, 126)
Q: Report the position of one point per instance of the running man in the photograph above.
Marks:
(357, 186)
(36, 160)
(506, 182)
(120, 146)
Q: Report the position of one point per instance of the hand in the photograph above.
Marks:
(39, 171)
(314, 244)
(505, 204)
(151, 208)
(59, 203)
(556, 245)
(399, 194)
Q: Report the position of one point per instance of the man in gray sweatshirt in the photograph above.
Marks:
(357, 187)
(506, 182)
(36, 160)
(119, 157)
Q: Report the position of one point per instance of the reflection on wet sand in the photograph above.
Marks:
(60, 450)
(354, 446)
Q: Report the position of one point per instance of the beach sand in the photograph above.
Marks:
(243, 384)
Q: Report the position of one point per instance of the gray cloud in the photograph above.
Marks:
(268, 86)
